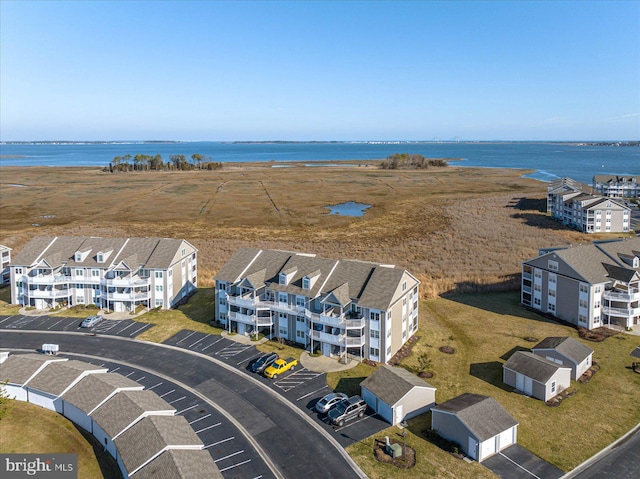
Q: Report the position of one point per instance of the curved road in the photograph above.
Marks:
(296, 446)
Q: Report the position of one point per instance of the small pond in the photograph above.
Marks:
(350, 208)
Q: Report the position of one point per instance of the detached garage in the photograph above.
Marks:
(477, 423)
(397, 395)
(535, 376)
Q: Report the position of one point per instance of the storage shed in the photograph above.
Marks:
(480, 425)
(535, 376)
(567, 352)
(397, 395)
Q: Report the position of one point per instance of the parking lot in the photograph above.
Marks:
(516, 462)
(230, 450)
(121, 327)
(300, 386)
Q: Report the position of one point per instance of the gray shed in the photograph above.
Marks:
(535, 376)
(565, 351)
(397, 395)
(480, 425)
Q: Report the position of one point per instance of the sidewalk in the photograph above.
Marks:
(241, 338)
(324, 364)
(90, 312)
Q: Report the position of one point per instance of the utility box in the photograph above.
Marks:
(50, 349)
(396, 450)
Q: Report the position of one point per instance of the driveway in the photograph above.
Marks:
(516, 462)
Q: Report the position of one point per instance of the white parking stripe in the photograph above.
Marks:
(208, 427)
(114, 370)
(514, 462)
(138, 330)
(187, 336)
(200, 419)
(351, 424)
(173, 390)
(7, 319)
(249, 359)
(57, 322)
(126, 327)
(220, 442)
(213, 343)
(153, 387)
(191, 407)
(199, 340)
(179, 399)
(229, 455)
(132, 372)
(140, 379)
(313, 392)
(235, 465)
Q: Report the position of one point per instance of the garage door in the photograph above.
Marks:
(488, 447)
(505, 439)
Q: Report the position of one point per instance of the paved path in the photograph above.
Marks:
(298, 446)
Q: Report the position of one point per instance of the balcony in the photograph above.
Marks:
(631, 295)
(250, 319)
(343, 321)
(337, 339)
(56, 293)
(621, 312)
(126, 282)
(127, 296)
(46, 279)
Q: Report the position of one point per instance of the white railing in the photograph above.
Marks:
(46, 279)
(126, 282)
(625, 313)
(337, 339)
(250, 319)
(632, 295)
(49, 294)
(354, 341)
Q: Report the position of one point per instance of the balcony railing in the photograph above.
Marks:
(337, 339)
(250, 319)
(621, 312)
(36, 293)
(632, 295)
(126, 282)
(46, 279)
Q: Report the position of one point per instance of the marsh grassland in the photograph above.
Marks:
(456, 229)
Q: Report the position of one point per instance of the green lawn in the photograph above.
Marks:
(484, 329)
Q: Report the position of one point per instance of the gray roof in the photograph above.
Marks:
(636, 352)
(159, 432)
(391, 384)
(18, 368)
(532, 366)
(614, 179)
(482, 415)
(181, 464)
(137, 253)
(58, 376)
(126, 407)
(594, 263)
(568, 347)
(96, 388)
(372, 285)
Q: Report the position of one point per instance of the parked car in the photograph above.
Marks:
(346, 410)
(279, 366)
(329, 401)
(263, 362)
(91, 321)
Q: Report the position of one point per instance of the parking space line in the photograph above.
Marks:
(114, 370)
(173, 390)
(312, 392)
(140, 379)
(179, 399)
(220, 442)
(249, 359)
(258, 477)
(193, 344)
(208, 427)
(217, 341)
(132, 372)
(138, 330)
(152, 387)
(191, 407)
(56, 323)
(230, 455)
(7, 319)
(199, 419)
(126, 327)
(351, 424)
(187, 336)
(235, 465)
(514, 462)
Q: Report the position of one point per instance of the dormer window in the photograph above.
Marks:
(306, 283)
(636, 262)
(282, 279)
(80, 256)
(101, 256)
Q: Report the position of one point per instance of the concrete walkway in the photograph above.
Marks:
(241, 338)
(90, 312)
(324, 364)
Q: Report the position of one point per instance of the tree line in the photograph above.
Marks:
(142, 162)
(399, 161)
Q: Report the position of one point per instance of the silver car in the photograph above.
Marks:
(91, 321)
(330, 400)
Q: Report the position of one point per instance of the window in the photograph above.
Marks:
(183, 252)
(159, 304)
(553, 386)
(158, 288)
(537, 273)
(95, 273)
(375, 334)
(158, 274)
(221, 286)
(282, 278)
(223, 301)
(79, 272)
(404, 286)
(170, 273)
(404, 302)
(552, 293)
(300, 300)
(306, 283)
(584, 288)
(597, 289)
(404, 334)
(596, 319)
(582, 303)
(283, 331)
(552, 307)
(389, 333)
(553, 278)
(223, 316)
(100, 258)
(300, 319)
(536, 301)
(18, 270)
(596, 304)
(582, 318)
(553, 265)
(300, 334)
(374, 352)
(80, 299)
(537, 287)
(389, 350)
(375, 316)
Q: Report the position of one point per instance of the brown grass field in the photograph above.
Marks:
(457, 229)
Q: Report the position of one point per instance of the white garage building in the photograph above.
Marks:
(480, 425)
(397, 395)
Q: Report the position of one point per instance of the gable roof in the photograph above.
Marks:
(636, 352)
(392, 384)
(19, 368)
(568, 347)
(159, 432)
(535, 367)
(124, 408)
(482, 415)
(59, 376)
(93, 389)
(181, 464)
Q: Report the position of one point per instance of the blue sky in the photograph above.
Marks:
(363, 70)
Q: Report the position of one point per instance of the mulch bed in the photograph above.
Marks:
(589, 373)
(404, 351)
(425, 374)
(556, 400)
(447, 349)
(381, 455)
(531, 339)
(596, 335)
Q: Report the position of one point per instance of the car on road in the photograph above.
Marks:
(279, 366)
(91, 321)
(329, 401)
(263, 362)
(346, 410)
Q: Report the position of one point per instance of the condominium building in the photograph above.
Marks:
(337, 307)
(571, 204)
(117, 274)
(589, 285)
(615, 186)
(5, 259)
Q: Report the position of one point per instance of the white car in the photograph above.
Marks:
(91, 321)
(330, 400)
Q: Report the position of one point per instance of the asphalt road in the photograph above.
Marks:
(297, 447)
